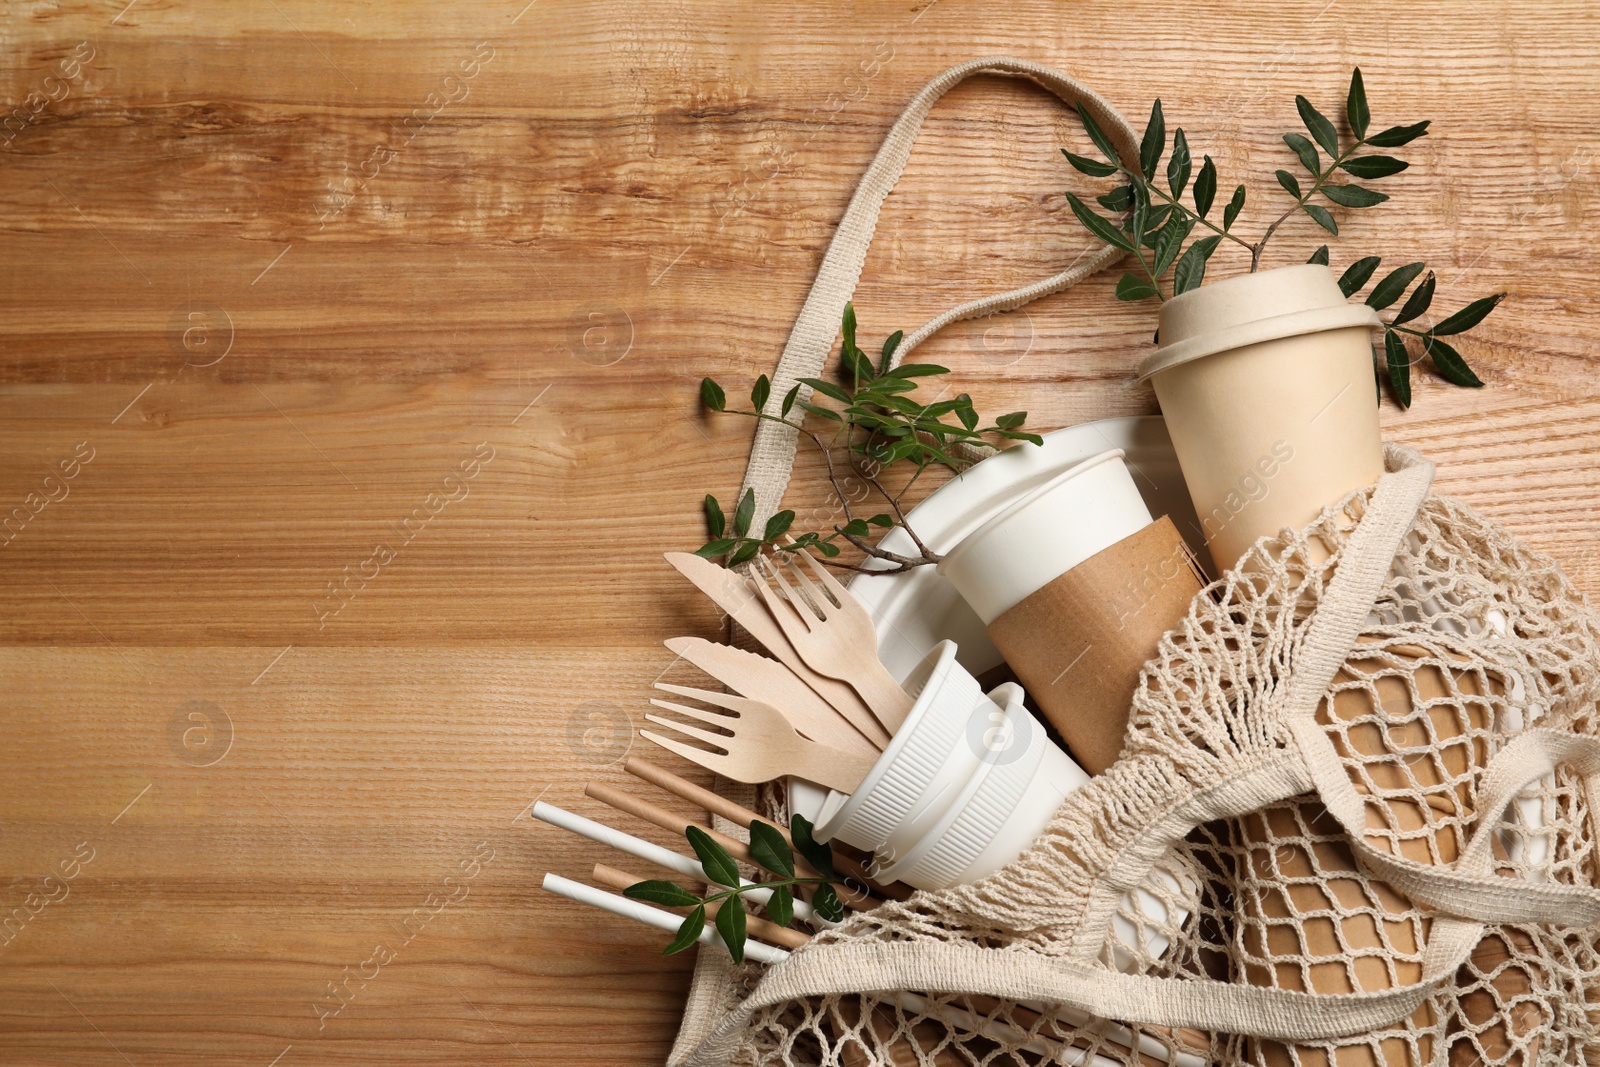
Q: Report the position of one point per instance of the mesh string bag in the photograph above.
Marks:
(1245, 762)
(1368, 752)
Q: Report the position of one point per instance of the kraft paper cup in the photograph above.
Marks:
(1045, 534)
(1079, 642)
(1265, 381)
(927, 762)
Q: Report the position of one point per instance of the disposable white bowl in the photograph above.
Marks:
(1021, 780)
(927, 761)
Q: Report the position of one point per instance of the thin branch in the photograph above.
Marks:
(1178, 205)
(1304, 198)
(901, 517)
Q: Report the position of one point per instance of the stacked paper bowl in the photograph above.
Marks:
(965, 785)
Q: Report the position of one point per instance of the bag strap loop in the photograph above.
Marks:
(805, 354)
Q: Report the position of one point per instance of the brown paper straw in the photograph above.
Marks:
(719, 805)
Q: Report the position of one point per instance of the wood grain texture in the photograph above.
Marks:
(282, 278)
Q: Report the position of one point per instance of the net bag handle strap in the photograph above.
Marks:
(806, 352)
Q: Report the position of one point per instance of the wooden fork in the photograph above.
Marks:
(833, 633)
(760, 745)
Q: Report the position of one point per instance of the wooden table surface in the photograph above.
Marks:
(287, 283)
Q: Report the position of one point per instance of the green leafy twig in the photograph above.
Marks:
(772, 852)
(876, 425)
(1157, 219)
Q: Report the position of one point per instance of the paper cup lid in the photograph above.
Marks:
(1250, 309)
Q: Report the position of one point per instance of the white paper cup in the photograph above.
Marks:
(1045, 534)
(926, 764)
(1265, 381)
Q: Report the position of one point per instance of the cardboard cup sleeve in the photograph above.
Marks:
(1077, 643)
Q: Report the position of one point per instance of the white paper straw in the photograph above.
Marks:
(639, 911)
(654, 853)
(764, 953)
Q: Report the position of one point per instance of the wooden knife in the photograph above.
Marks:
(733, 594)
(769, 681)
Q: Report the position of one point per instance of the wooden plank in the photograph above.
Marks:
(280, 278)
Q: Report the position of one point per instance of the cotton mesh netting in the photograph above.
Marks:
(1269, 915)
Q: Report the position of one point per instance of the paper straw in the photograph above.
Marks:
(654, 853)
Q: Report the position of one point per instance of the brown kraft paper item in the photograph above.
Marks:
(1077, 643)
(1401, 726)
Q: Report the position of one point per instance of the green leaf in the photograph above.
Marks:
(1395, 136)
(1373, 166)
(849, 326)
(1205, 187)
(1117, 200)
(821, 412)
(827, 548)
(855, 528)
(788, 401)
(917, 370)
(778, 525)
(1092, 128)
(746, 551)
(718, 547)
(731, 926)
(1320, 255)
(965, 412)
(1448, 362)
(1170, 242)
(712, 396)
(856, 365)
(884, 521)
(1012, 420)
(1353, 195)
(1015, 435)
(891, 344)
(1134, 287)
(655, 891)
(768, 848)
(828, 389)
(719, 866)
(1388, 291)
(1139, 220)
(1153, 144)
(1092, 167)
(815, 852)
(1355, 105)
(716, 525)
(1323, 217)
(1399, 364)
(1356, 275)
(1178, 166)
(1468, 317)
(780, 907)
(744, 513)
(760, 391)
(1288, 181)
(1099, 226)
(688, 932)
(1191, 268)
(1155, 220)
(1307, 153)
(1235, 205)
(826, 903)
(1321, 129)
(1417, 302)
